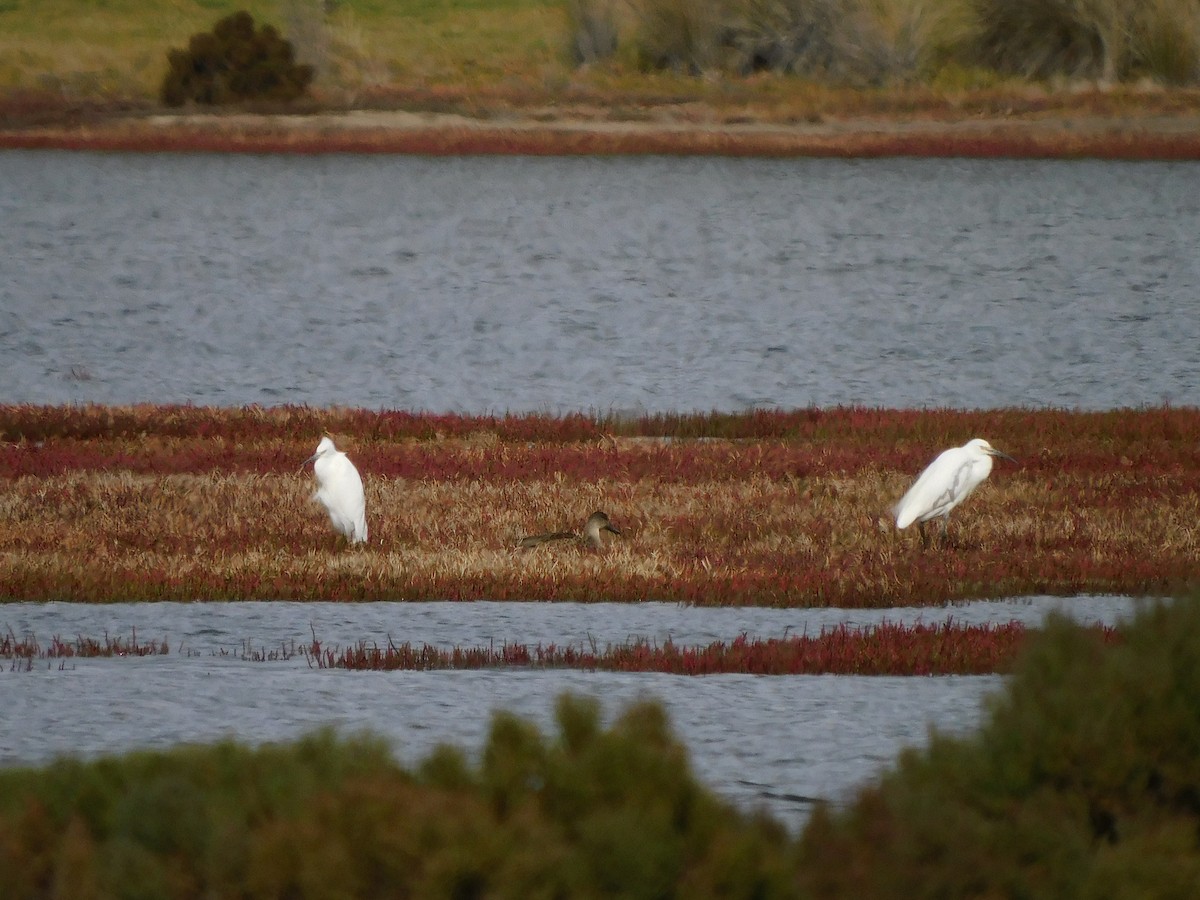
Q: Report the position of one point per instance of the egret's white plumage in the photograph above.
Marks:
(946, 483)
(340, 491)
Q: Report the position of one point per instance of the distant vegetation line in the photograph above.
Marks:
(611, 51)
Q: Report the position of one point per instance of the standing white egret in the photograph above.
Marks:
(340, 490)
(945, 484)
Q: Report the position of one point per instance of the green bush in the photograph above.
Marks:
(1085, 782)
(234, 63)
(593, 812)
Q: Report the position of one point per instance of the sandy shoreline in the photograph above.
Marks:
(591, 131)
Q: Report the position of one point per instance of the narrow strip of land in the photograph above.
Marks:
(556, 131)
(771, 509)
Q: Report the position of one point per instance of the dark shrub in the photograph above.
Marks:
(1084, 782)
(232, 63)
(591, 812)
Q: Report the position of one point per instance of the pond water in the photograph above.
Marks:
(626, 284)
(631, 285)
(777, 742)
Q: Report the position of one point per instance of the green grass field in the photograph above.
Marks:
(118, 47)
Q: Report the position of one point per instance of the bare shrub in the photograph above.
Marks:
(1165, 40)
(1037, 38)
(839, 40)
(309, 34)
(591, 30)
(833, 39)
(354, 61)
(1109, 40)
(923, 36)
(678, 35)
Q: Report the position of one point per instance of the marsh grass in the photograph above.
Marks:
(28, 647)
(126, 505)
(887, 649)
(884, 649)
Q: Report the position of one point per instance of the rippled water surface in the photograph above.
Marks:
(493, 284)
(776, 741)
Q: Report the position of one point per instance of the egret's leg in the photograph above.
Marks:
(924, 535)
(942, 537)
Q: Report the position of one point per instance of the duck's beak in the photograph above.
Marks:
(609, 526)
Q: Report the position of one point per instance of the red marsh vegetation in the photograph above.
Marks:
(782, 508)
(885, 649)
(28, 648)
(865, 139)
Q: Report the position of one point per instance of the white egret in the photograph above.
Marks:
(945, 484)
(340, 491)
(596, 523)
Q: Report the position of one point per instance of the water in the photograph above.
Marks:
(646, 284)
(484, 285)
(211, 627)
(776, 742)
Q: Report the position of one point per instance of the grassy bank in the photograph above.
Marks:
(496, 59)
(1081, 782)
(782, 509)
(531, 49)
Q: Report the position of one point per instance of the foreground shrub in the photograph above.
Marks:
(233, 63)
(594, 812)
(1085, 782)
